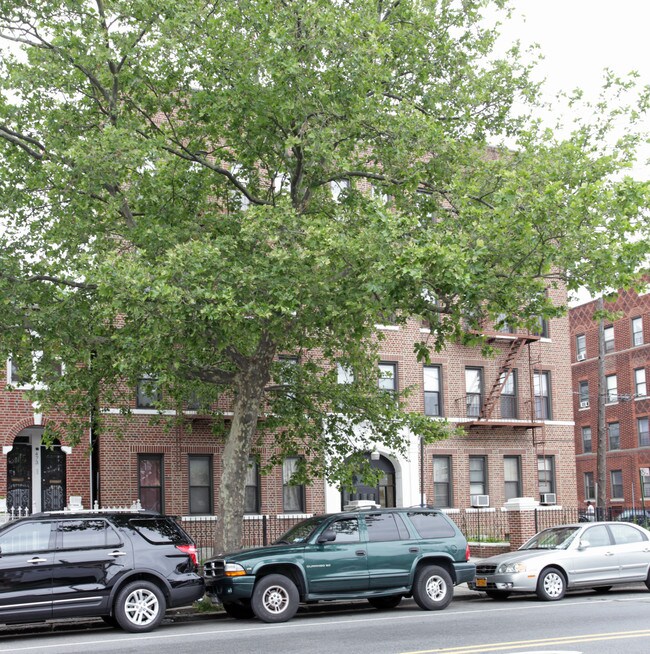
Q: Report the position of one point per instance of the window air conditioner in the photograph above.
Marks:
(584, 404)
(480, 500)
(548, 498)
(581, 356)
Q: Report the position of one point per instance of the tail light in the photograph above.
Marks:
(190, 550)
(467, 553)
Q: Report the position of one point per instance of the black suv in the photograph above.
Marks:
(125, 567)
(377, 555)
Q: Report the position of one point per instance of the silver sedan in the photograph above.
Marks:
(593, 555)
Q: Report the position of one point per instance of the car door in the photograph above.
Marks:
(26, 560)
(633, 551)
(391, 552)
(89, 555)
(594, 560)
(340, 565)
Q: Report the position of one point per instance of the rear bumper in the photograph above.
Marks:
(464, 572)
(186, 592)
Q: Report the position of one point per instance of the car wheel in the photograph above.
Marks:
(602, 589)
(498, 594)
(432, 589)
(385, 602)
(140, 606)
(238, 610)
(275, 599)
(551, 585)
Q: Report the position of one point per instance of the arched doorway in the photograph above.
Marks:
(36, 475)
(383, 493)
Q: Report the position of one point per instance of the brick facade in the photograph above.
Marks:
(628, 408)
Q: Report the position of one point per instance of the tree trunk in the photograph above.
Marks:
(248, 401)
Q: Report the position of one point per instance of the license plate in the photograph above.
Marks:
(481, 582)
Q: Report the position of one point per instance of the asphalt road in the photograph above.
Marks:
(582, 622)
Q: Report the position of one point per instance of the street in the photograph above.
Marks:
(582, 622)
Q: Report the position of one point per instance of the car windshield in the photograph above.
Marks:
(301, 532)
(557, 538)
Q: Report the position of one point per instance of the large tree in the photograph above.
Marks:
(167, 181)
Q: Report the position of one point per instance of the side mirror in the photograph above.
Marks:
(583, 544)
(327, 536)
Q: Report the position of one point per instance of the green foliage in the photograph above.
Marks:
(165, 184)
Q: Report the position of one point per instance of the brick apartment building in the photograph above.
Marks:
(627, 404)
(518, 440)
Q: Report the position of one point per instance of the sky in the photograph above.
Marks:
(580, 38)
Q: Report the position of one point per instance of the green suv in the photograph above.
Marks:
(379, 555)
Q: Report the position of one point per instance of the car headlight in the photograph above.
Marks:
(511, 567)
(234, 570)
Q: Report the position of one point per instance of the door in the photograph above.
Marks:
(52, 479)
(383, 493)
(89, 555)
(340, 565)
(26, 558)
(391, 553)
(597, 563)
(633, 551)
(19, 475)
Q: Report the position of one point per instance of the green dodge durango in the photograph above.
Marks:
(380, 555)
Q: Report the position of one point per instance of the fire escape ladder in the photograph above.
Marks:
(508, 364)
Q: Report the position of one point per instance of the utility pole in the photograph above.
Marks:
(601, 451)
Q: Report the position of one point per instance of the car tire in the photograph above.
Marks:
(602, 589)
(389, 602)
(498, 595)
(433, 589)
(140, 606)
(238, 610)
(275, 599)
(551, 585)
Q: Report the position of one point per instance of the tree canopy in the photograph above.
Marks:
(191, 189)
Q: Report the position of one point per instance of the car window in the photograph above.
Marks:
(80, 534)
(555, 538)
(26, 537)
(382, 527)
(346, 530)
(431, 525)
(624, 534)
(597, 536)
(159, 530)
(301, 531)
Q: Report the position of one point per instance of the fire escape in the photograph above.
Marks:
(492, 411)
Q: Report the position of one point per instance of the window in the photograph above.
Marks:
(76, 534)
(614, 433)
(546, 474)
(344, 375)
(388, 377)
(609, 339)
(473, 391)
(590, 488)
(643, 430)
(252, 491)
(542, 328)
(637, 331)
(640, 388)
(645, 482)
(586, 439)
(148, 394)
(512, 476)
(502, 325)
(581, 347)
(432, 396)
(150, 481)
(616, 483)
(293, 495)
(431, 525)
(611, 384)
(385, 527)
(346, 530)
(583, 394)
(28, 537)
(200, 477)
(477, 476)
(339, 188)
(509, 394)
(542, 395)
(442, 481)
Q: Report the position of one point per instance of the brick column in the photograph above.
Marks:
(521, 520)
